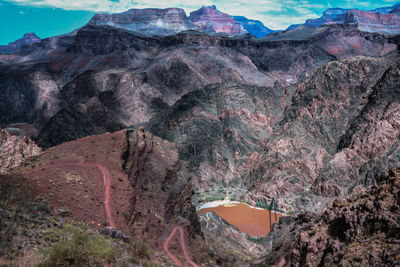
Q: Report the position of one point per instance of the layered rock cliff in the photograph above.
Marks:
(211, 20)
(382, 20)
(149, 21)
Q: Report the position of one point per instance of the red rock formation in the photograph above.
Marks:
(212, 20)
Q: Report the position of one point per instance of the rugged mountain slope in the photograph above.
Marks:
(340, 130)
(303, 145)
(14, 150)
(211, 20)
(362, 230)
(101, 71)
(27, 39)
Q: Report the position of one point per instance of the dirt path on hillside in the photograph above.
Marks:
(107, 177)
(183, 246)
(107, 184)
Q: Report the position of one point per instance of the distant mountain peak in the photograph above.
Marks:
(27, 39)
(211, 20)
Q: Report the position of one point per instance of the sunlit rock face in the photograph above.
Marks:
(27, 39)
(254, 27)
(211, 20)
(149, 21)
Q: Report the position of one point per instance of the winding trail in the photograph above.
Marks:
(183, 246)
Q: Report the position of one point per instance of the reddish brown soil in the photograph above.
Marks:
(254, 222)
(183, 247)
(86, 177)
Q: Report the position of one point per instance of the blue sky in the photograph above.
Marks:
(53, 17)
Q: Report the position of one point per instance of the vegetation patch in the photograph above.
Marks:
(80, 249)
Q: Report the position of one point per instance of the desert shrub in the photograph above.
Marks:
(81, 249)
(43, 206)
(140, 249)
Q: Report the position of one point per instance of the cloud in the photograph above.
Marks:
(274, 14)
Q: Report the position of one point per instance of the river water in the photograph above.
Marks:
(252, 221)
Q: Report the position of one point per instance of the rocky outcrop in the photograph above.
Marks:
(162, 191)
(254, 27)
(211, 20)
(149, 21)
(362, 230)
(27, 39)
(14, 150)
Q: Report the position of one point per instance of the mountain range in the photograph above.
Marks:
(134, 121)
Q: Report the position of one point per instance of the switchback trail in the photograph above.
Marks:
(183, 246)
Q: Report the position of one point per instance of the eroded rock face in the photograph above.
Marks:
(340, 130)
(254, 27)
(162, 191)
(303, 145)
(211, 20)
(14, 150)
(363, 230)
(141, 76)
(149, 21)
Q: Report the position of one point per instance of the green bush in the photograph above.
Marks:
(82, 249)
(43, 206)
(145, 187)
(261, 205)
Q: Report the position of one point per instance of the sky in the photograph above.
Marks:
(48, 18)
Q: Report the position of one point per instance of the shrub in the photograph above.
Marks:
(82, 249)
(145, 187)
(43, 206)
(261, 205)
(139, 250)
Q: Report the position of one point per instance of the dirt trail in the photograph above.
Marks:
(183, 246)
(106, 180)
(107, 184)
